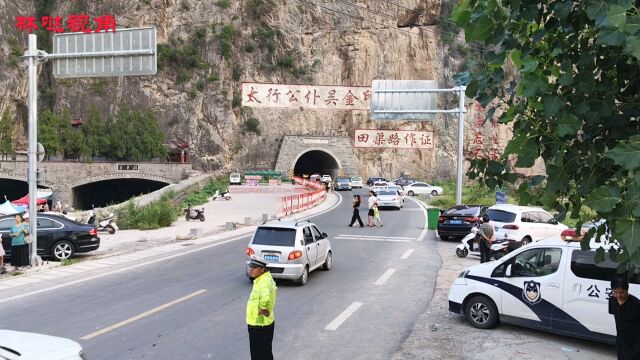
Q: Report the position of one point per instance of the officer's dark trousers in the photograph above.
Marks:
(356, 216)
(485, 252)
(260, 339)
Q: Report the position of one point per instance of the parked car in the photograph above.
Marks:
(235, 179)
(523, 222)
(378, 186)
(404, 181)
(27, 345)
(293, 249)
(326, 178)
(59, 238)
(390, 198)
(458, 220)
(397, 188)
(373, 179)
(356, 182)
(420, 188)
(343, 184)
(552, 285)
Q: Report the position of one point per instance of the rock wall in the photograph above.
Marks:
(333, 43)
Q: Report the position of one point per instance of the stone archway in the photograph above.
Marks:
(306, 155)
(316, 161)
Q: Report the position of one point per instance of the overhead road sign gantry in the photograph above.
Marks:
(125, 52)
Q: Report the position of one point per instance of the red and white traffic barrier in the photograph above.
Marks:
(299, 202)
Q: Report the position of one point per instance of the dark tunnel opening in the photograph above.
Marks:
(14, 189)
(108, 192)
(316, 162)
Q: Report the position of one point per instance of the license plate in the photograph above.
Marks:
(386, 203)
(455, 221)
(271, 257)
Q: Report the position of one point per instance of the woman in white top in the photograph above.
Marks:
(372, 200)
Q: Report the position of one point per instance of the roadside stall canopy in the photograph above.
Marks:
(7, 209)
(265, 173)
(25, 201)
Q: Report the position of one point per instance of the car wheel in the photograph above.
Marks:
(434, 193)
(328, 263)
(410, 193)
(462, 252)
(481, 312)
(110, 229)
(304, 277)
(62, 250)
(526, 240)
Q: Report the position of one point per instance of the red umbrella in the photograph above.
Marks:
(25, 201)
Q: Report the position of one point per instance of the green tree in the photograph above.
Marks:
(95, 133)
(73, 140)
(6, 134)
(50, 130)
(567, 75)
(135, 136)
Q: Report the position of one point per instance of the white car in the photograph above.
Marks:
(420, 188)
(234, 179)
(523, 223)
(379, 186)
(356, 182)
(293, 249)
(390, 198)
(326, 178)
(551, 285)
(26, 345)
(397, 188)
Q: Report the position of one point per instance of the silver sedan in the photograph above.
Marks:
(390, 198)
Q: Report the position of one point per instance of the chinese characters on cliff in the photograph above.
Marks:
(484, 142)
(73, 23)
(393, 139)
(306, 96)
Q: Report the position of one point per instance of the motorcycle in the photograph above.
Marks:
(499, 247)
(225, 195)
(194, 214)
(109, 225)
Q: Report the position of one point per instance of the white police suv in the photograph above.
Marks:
(550, 285)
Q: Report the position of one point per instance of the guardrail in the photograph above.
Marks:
(298, 202)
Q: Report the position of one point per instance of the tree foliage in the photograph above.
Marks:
(129, 135)
(6, 134)
(567, 75)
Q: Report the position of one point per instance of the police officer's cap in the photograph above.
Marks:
(257, 262)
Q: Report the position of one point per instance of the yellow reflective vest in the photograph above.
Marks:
(263, 296)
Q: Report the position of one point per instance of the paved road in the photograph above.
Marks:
(192, 306)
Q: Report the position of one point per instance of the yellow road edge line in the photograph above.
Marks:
(143, 315)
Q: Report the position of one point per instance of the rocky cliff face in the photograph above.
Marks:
(211, 46)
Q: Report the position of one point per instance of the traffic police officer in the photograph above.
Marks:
(260, 318)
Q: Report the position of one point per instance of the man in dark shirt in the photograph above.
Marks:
(625, 308)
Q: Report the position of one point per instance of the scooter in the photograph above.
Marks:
(109, 225)
(193, 214)
(499, 247)
(225, 195)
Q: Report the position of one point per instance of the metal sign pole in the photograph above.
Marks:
(459, 170)
(32, 52)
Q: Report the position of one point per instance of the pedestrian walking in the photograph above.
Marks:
(625, 309)
(356, 211)
(19, 247)
(486, 237)
(373, 199)
(260, 318)
(376, 215)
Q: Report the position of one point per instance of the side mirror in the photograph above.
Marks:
(324, 235)
(507, 272)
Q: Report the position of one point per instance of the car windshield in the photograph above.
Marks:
(356, 178)
(343, 180)
(462, 211)
(501, 215)
(381, 193)
(274, 236)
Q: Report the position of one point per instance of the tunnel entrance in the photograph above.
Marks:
(316, 162)
(12, 189)
(108, 192)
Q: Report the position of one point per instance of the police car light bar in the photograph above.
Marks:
(570, 235)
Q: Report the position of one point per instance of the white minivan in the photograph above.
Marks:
(235, 179)
(549, 285)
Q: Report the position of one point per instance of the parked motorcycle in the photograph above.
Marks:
(499, 247)
(194, 214)
(224, 195)
(109, 225)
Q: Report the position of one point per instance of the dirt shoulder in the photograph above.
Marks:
(440, 334)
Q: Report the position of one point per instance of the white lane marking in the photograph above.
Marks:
(387, 274)
(369, 239)
(377, 237)
(335, 324)
(406, 254)
(119, 270)
(141, 316)
(423, 234)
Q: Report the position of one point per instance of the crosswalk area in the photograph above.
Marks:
(374, 238)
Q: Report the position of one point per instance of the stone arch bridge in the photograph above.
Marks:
(81, 184)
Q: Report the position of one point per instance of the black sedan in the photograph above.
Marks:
(457, 221)
(374, 179)
(59, 238)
